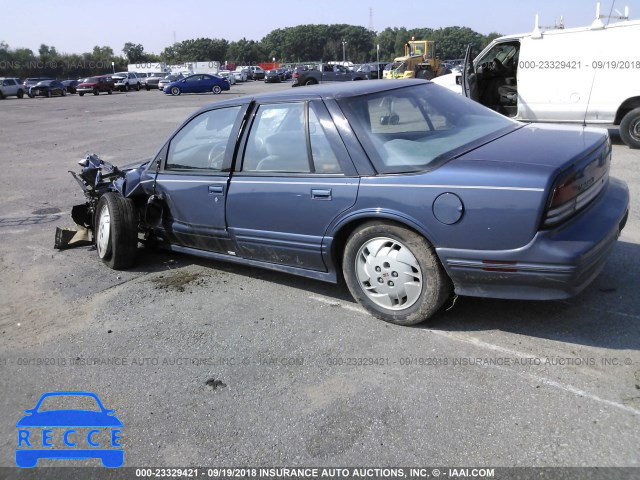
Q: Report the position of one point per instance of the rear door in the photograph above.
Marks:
(293, 178)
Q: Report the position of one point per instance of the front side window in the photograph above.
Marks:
(289, 138)
(419, 127)
(201, 144)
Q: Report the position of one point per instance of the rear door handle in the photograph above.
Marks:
(216, 189)
(318, 194)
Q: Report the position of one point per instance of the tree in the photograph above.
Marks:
(134, 52)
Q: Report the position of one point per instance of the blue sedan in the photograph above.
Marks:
(200, 83)
(409, 192)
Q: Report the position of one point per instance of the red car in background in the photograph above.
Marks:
(95, 85)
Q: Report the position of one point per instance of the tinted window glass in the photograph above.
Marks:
(324, 158)
(201, 144)
(277, 141)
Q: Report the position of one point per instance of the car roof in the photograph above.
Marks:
(326, 91)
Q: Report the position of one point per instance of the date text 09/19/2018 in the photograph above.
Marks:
(579, 65)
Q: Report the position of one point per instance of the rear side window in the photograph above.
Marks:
(289, 138)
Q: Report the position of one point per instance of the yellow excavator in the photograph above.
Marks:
(419, 61)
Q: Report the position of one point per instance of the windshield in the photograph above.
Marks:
(90, 80)
(420, 127)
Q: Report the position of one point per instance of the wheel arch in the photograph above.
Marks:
(347, 225)
(628, 105)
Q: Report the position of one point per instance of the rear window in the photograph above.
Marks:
(420, 127)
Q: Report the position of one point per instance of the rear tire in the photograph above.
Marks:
(81, 94)
(630, 128)
(109, 92)
(216, 89)
(20, 93)
(394, 273)
(311, 81)
(116, 231)
(175, 91)
(96, 92)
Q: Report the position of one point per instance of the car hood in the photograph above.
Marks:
(540, 144)
(69, 418)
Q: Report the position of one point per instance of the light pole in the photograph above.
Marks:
(344, 44)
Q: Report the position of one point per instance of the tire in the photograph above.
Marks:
(146, 87)
(175, 91)
(216, 89)
(64, 93)
(20, 93)
(630, 128)
(109, 92)
(81, 94)
(96, 92)
(379, 252)
(48, 93)
(310, 81)
(2, 96)
(126, 87)
(116, 231)
(137, 87)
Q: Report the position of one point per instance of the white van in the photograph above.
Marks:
(588, 75)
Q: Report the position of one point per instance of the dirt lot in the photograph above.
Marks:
(212, 364)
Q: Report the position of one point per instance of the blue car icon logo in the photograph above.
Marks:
(91, 431)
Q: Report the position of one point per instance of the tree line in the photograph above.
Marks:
(303, 43)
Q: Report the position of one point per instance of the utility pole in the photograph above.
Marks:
(344, 44)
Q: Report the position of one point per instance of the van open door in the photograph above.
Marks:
(469, 77)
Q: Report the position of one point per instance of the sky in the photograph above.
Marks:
(77, 26)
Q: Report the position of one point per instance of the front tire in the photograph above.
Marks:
(175, 91)
(81, 94)
(137, 87)
(216, 89)
(394, 273)
(116, 231)
(96, 92)
(20, 93)
(630, 128)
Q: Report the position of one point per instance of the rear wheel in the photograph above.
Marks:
(20, 93)
(394, 273)
(81, 94)
(630, 128)
(137, 87)
(311, 81)
(216, 89)
(116, 231)
(95, 91)
(175, 91)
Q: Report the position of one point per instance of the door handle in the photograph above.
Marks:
(320, 194)
(216, 189)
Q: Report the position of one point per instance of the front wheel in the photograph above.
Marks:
(216, 89)
(137, 87)
(175, 91)
(126, 87)
(81, 94)
(96, 92)
(630, 128)
(116, 231)
(394, 273)
(20, 93)
(310, 82)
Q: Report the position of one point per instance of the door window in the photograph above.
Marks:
(280, 141)
(201, 144)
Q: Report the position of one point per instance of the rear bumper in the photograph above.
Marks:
(556, 264)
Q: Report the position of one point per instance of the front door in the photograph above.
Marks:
(193, 180)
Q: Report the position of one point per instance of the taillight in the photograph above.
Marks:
(296, 75)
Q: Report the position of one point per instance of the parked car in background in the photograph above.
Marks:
(142, 78)
(47, 88)
(408, 191)
(228, 75)
(11, 87)
(242, 74)
(199, 83)
(174, 77)
(275, 75)
(70, 85)
(373, 69)
(256, 72)
(95, 85)
(125, 81)
(30, 82)
(153, 79)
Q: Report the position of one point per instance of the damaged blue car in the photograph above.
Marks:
(409, 192)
